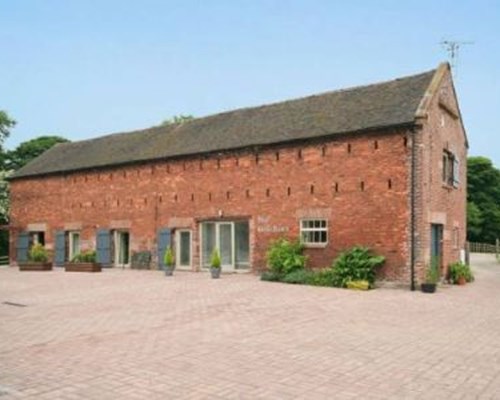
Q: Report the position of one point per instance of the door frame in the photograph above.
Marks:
(437, 238)
(178, 249)
(116, 248)
(225, 267)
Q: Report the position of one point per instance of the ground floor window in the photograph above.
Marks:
(37, 238)
(314, 231)
(121, 251)
(73, 245)
(183, 251)
(231, 238)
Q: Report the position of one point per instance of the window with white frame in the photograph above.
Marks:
(314, 231)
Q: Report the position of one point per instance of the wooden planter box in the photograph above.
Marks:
(82, 267)
(35, 266)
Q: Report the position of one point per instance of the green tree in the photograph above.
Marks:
(483, 207)
(6, 124)
(29, 150)
(177, 119)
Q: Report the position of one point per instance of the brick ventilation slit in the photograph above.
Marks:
(257, 158)
(277, 156)
(375, 144)
(405, 141)
(389, 183)
(268, 192)
(362, 185)
(218, 163)
(160, 199)
(145, 200)
(209, 196)
(248, 193)
(289, 191)
(176, 197)
(336, 187)
(237, 161)
(201, 165)
(168, 169)
(228, 195)
(323, 151)
(192, 196)
(299, 154)
(349, 148)
(311, 189)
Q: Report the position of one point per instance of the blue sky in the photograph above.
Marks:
(84, 68)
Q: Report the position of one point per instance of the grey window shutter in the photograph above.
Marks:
(103, 247)
(60, 248)
(22, 246)
(164, 240)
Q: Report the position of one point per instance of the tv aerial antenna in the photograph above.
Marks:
(452, 47)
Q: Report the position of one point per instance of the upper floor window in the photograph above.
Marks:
(314, 231)
(451, 169)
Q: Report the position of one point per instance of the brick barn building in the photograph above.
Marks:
(382, 165)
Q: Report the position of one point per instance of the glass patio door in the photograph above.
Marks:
(225, 238)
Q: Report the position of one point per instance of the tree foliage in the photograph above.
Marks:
(29, 150)
(6, 124)
(177, 119)
(483, 200)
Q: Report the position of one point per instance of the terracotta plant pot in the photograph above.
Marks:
(461, 280)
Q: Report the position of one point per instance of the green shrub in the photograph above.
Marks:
(356, 264)
(270, 276)
(87, 256)
(300, 276)
(168, 258)
(215, 261)
(432, 274)
(323, 277)
(459, 270)
(285, 256)
(38, 253)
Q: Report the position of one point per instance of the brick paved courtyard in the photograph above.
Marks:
(138, 335)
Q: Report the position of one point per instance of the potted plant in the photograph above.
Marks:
(38, 259)
(431, 280)
(215, 264)
(460, 273)
(169, 261)
(83, 262)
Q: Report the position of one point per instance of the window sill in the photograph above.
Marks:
(315, 245)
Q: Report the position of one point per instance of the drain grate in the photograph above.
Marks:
(10, 303)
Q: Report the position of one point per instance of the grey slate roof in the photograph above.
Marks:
(376, 106)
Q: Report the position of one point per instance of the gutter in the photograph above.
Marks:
(413, 181)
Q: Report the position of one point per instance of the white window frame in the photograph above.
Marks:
(178, 233)
(303, 229)
(71, 235)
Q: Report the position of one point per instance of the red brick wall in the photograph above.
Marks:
(178, 193)
(440, 203)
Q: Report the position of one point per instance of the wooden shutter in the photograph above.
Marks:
(164, 240)
(22, 246)
(103, 247)
(456, 172)
(60, 249)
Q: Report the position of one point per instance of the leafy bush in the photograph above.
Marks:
(300, 276)
(87, 256)
(285, 256)
(215, 261)
(168, 258)
(432, 274)
(270, 276)
(460, 270)
(38, 253)
(356, 264)
(323, 277)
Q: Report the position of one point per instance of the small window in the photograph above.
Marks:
(314, 231)
(451, 169)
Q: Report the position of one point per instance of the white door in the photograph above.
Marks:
(218, 235)
(183, 249)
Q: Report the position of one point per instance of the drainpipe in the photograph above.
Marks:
(412, 206)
